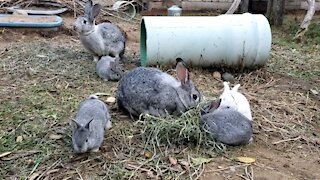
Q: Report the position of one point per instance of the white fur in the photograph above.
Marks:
(235, 100)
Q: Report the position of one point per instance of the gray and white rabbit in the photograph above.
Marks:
(147, 90)
(109, 68)
(226, 125)
(102, 39)
(89, 125)
(234, 99)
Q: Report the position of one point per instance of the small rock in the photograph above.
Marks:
(217, 75)
(173, 160)
(148, 154)
(19, 139)
(111, 100)
(228, 77)
(29, 162)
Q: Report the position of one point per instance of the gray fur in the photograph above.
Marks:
(108, 68)
(146, 90)
(89, 125)
(227, 126)
(104, 39)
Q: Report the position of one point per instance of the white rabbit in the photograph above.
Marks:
(226, 124)
(235, 100)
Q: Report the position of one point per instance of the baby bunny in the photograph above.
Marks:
(102, 39)
(235, 100)
(227, 125)
(147, 90)
(108, 68)
(88, 127)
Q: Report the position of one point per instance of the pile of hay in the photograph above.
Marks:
(185, 129)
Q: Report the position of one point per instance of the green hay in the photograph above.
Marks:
(183, 130)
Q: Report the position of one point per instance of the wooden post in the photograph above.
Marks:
(275, 12)
(306, 21)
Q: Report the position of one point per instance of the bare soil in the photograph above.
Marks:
(286, 115)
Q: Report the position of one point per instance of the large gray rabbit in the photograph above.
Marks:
(109, 68)
(89, 125)
(146, 90)
(102, 39)
(226, 125)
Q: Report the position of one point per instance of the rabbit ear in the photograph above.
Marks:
(182, 72)
(215, 104)
(87, 125)
(88, 8)
(75, 124)
(235, 88)
(95, 11)
(226, 87)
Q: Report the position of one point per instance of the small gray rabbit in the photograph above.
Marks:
(102, 39)
(226, 125)
(147, 90)
(89, 125)
(108, 68)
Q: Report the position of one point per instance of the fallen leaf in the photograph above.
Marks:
(246, 159)
(4, 154)
(148, 154)
(19, 155)
(111, 100)
(173, 160)
(19, 139)
(200, 160)
(52, 171)
(55, 136)
(314, 92)
(33, 176)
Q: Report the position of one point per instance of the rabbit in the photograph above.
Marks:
(234, 99)
(88, 127)
(147, 90)
(108, 68)
(102, 39)
(226, 125)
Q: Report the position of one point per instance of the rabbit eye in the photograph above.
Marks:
(195, 97)
(84, 22)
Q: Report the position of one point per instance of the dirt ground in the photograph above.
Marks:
(284, 96)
